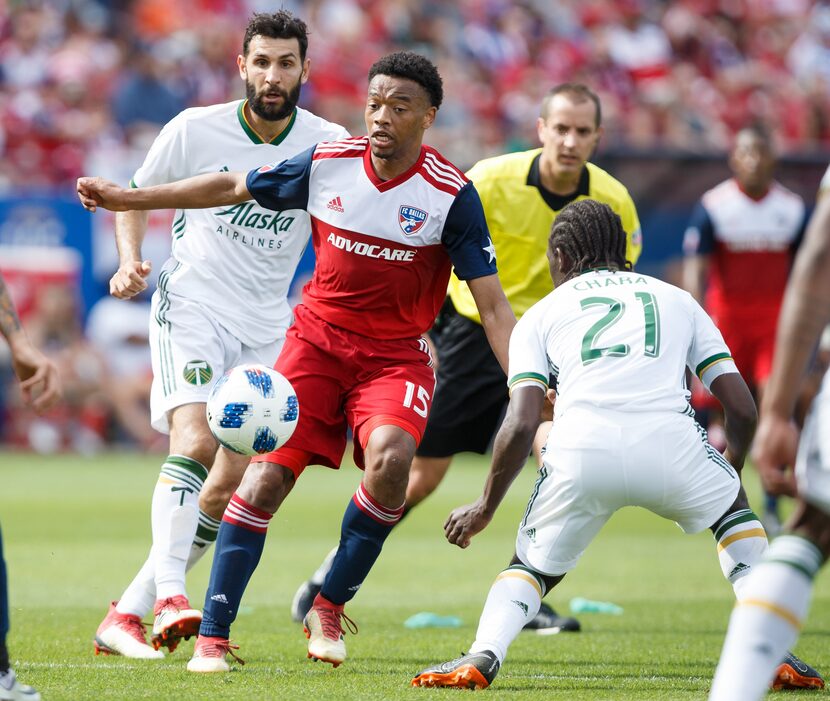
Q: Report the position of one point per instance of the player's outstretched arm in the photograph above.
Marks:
(512, 446)
(739, 413)
(199, 192)
(38, 375)
(805, 312)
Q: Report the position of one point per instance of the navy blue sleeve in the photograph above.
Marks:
(282, 185)
(699, 238)
(467, 238)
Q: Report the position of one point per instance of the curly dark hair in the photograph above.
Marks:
(414, 67)
(591, 234)
(279, 25)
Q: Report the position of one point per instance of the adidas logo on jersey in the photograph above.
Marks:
(336, 204)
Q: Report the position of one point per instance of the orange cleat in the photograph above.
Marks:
(792, 673)
(475, 670)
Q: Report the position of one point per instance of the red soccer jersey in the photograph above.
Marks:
(751, 243)
(383, 249)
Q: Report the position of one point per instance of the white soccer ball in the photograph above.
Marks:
(252, 410)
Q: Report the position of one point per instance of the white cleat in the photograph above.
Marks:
(123, 634)
(210, 655)
(12, 690)
(174, 621)
(322, 627)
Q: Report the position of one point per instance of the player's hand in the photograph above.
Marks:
(130, 279)
(39, 382)
(774, 451)
(464, 522)
(97, 192)
(548, 406)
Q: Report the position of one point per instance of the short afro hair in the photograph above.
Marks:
(279, 25)
(414, 67)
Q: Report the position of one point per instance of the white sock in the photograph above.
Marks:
(742, 543)
(206, 533)
(766, 620)
(138, 598)
(175, 519)
(140, 595)
(513, 601)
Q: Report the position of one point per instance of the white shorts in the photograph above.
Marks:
(812, 467)
(597, 462)
(190, 351)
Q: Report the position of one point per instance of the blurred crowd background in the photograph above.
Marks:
(85, 80)
(85, 86)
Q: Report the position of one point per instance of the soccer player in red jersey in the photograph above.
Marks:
(390, 218)
(739, 247)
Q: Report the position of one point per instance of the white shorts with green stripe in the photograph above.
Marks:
(812, 468)
(190, 351)
(597, 462)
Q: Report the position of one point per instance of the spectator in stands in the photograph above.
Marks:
(144, 95)
(680, 74)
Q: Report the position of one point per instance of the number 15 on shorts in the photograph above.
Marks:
(417, 399)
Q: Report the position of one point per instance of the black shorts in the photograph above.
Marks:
(470, 392)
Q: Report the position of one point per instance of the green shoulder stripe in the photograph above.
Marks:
(710, 361)
(533, 376)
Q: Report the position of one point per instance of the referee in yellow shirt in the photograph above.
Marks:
(522, 194)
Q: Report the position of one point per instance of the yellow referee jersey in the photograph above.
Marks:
(520, 220)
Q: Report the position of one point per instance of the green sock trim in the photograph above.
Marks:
(208, 528)
(206, 534)
(533, 573)
(797, 552)
(791, 563)
(189, 464)
(739, 517)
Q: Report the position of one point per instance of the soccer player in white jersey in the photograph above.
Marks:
(390, 218)
(618, 344)
(768, 620)
(221, 301)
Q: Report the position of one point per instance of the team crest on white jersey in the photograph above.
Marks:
(411, 219)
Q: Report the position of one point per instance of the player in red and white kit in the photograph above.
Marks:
(390, 218)
(739, 247)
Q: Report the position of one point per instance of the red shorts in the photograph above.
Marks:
(343, 379)
(751, 343)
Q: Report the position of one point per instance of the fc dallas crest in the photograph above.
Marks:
(411, 219)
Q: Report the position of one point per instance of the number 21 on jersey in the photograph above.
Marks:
(591, 351)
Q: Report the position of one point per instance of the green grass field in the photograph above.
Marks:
(77, 529)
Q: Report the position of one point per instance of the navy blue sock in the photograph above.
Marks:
(366, 524)
(4, 612)
(238, 549)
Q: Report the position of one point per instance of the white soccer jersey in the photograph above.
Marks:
(619, 341)
(237, 261)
